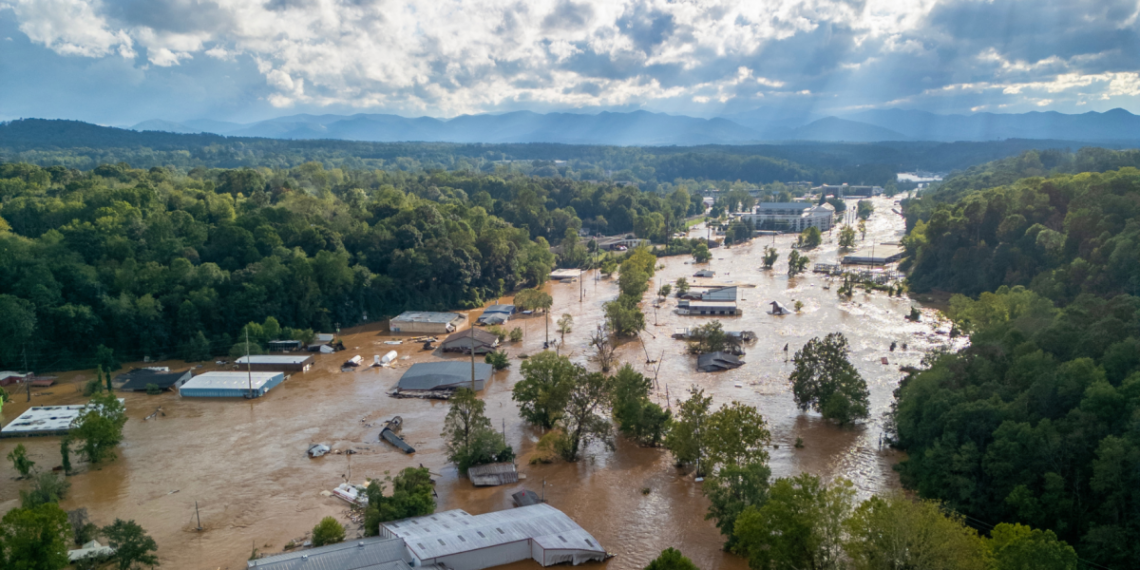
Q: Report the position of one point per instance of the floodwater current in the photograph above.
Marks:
(244, 462)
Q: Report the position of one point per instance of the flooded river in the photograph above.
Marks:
(244, 462)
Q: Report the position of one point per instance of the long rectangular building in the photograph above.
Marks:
(460, 541)
(44, 420)
(697, 308)
(790, 216)
(225, 384)
(425, 322)
(276, 362)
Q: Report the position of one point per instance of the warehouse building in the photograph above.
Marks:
(700, 308)
(463, 341)
(231, 384)
(431, 376)
(415, 322)
(276, 363)
(460, 541)
(373, 553)
(138, 380)
(44, 420)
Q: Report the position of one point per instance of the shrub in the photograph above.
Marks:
(328, 531)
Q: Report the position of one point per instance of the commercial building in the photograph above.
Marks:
(447, 375)
(460, 541)
(284, 345)
(8, 377)
(414, 322)
(139, 379)
(463, 341)
(276, 362)
(879, 255)
(231, 384)
(694, 308)
(372, 553)
(790, 216)
(848, 191)
(44, 420)
(496, 315)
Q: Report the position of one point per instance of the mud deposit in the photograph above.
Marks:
(244, 461)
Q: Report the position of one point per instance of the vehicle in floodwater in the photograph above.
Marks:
(389, 434)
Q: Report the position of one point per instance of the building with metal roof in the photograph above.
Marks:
(425, 322)
(373, 553)
(460, 541)
(496, 315)
(715, 361)
(224, 384)
(137, 380)
(463, 341)
(276, 362)
(44, 420)
(493, 474)
(727, 308)
(790, 216)
(444, 375)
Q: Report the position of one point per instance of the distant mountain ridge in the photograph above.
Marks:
(642, 128)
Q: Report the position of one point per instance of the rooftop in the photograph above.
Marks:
(481, 337)
(499, 309)
(223, 379)
(453, 532)
(139, 378)
(426, 317)
(444, 374)
(796, 206)
(374, 553)
(39, 420)
(493, 474)
(274, 359)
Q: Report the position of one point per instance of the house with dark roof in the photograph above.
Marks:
(444, 375)
(137, 380)
(715, 361)
(463, 341)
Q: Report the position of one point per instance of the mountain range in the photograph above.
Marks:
(642, 128)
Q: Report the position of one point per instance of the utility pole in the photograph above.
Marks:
(197, 514)
(248, 365)
(471, 332)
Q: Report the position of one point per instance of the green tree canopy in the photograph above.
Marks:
(35, 539)
(824, 380)
(799, 526)
(671, 559)
(134, 547)
(542, 393)
(328, 531)
(470, 438)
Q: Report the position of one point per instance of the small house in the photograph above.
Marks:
(705, 273)
(464, 341)
(9, 377)
(493, 474)
(715, 361)
(137, 380)
(496, 315)
(416, 322)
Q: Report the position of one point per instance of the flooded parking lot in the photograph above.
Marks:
(244, 462)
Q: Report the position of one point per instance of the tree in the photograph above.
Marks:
(470, 438)
(671, 559)
(894, 531)
(709, 337)
(664, 290)
(133, 546)
(800, 526)
(82, 529)
(701, 253)
(100, 427)
(582, 420)
(797, 263)
(19, 459)
(733, 489)
(862, 229)
(1018, 547)
(516, 334)
(65, 453)
(196, 349)
(533, 299)
(637, 417)
(770, 257)
(412, 496)
(545, 387)
(686, 437)
(825, 380)
(106, 358)
(735, 434)
(682, 286)
(865, 209)
(328, 531)
(810, 238)
(847, 237)
(624, 316)
(34, 539)
(633, 282)
(565, 325)
(48, 488)
(604, 350)
(497, 359)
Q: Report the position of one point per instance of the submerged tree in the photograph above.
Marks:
(545, 387)
(637, 417)
(797, 263)
(824, 380)
(847, 237)
(671, 559)
(686, 437)
(328, 531)
(583, 420)
(470, 438)
(770, 257)
(133, 546)
(799, 526)
(100, 427)
(894, 531)
(732, 490)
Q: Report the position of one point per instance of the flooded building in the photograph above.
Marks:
(478, 340)
(44, 420)
(715, 361)
(879, 255)
(460, 541)
(140, 379)
(565, 275)
(373, 553)
(496, 315)
(425, 322)
(791, 216)
(697, 308)
(493, 474)
(432, 376)
(231, 384)
(284, 345)
(275, 363)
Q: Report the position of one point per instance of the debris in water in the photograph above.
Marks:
(318, 450)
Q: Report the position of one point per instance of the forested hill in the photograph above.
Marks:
(84, 146)
(156, 262)
(1038, 421)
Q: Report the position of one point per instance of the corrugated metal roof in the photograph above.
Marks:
(138, 379)
(499, 309)
(426, 317)
(274, 359)
(432, 375)
(493, 474)
(221, 379)
(452, 532)
(481, 337)
(717, 361)
(374, 553)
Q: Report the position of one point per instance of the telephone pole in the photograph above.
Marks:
(248, 365)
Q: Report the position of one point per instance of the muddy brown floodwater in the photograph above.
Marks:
(244, 461)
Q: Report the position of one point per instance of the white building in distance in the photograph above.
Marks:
(790, 216)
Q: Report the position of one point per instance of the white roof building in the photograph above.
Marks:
(44, 420)
(222, 384)
(460, 541)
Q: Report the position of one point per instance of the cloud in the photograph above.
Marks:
(447, 57)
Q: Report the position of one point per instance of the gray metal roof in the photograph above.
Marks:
(448, 374)
(453, 532)
(138, 379)
(795, 206)
(426, 317)
(717, 361)
(482, 337)
(373, 553)
(275, 359)
(493, 474)
(499, 309)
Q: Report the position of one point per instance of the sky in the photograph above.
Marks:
(118, 62)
